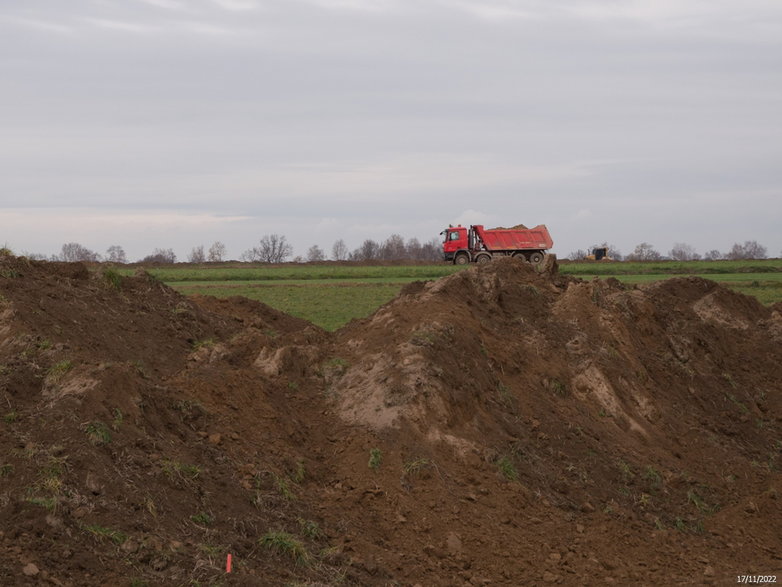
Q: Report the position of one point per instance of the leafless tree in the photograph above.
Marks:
(644, 252)
(683, 252)
(76, 252)
(393, 249)
(216, 252)
(368, 251)
(749, 250)
(116, 254)
(413, 248)
(432, 250)
(315, 254)
(712, 255)
(197, 255)
(273, 248)
(160, 256)
(577, 255)
(339, 251)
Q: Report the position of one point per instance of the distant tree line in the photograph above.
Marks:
(680, 252)
(274, 248)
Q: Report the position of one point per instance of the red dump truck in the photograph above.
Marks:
(464, 245)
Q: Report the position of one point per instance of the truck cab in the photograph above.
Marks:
(455, 240)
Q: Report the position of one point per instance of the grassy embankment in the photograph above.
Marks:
(331, 295)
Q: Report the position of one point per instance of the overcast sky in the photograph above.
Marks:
(173, 123)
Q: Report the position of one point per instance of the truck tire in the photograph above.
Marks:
(483, 259)
(461, 259)
(536, 258)
(520, 256)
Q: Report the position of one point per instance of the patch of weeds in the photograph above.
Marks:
(484, 350)
(300, 473)
(603, 414)
(680, 525)
(416, 466)
(658, 523)
(625, 471)
(557, 387)
(206, 343)
(140, 369)
(3, 369)
(43, 345)
(112, 279)
(115, 536)
(188, 408)
(11, 417)
(118, 419)
(507, 468)
(9, 273)
(375, 458)
(287, 545)
(698, 502)
(202, 518)
(6, 470)
(744, 409)
(644, 500)
(729, 378)
(48, 503)
(175, 470)
(293, 386)
(57, 371)
(310, 529)
(283, 488)
(653, 476)
(98, 433)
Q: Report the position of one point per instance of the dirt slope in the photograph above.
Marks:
(499, 426)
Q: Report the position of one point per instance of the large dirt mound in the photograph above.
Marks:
(504, 425)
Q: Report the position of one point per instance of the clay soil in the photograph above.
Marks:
(502, 426)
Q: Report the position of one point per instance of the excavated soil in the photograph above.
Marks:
(502, 426)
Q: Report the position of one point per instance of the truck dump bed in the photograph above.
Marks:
(507, 239)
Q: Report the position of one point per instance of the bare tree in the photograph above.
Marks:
(197, 255)
(749, 250)
(577, 255)
(712, 255)
(76, 252)
(216, 252)
(116, 254)
(273, 248)
(160, 256)
(683, 252)
(413, 248)
(368, 251)
(393, 249)
(644, 252)
(432, 251)
(339, 251)
(315, 254)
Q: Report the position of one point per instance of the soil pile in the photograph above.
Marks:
(504, 425)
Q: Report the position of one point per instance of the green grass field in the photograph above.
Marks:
(330, 295)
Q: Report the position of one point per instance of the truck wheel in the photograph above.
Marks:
(483, 259)
(462, 259)
(520, 256)
(536, 258)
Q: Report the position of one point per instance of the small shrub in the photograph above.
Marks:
(375, 458)
(199, 344)
(300, 473)
(415, 467)
(49, 503)
(283, 488)
(118, 419)
(11, 417)
(6, 470)
(286, 544)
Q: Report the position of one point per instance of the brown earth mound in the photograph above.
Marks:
(504, 425)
